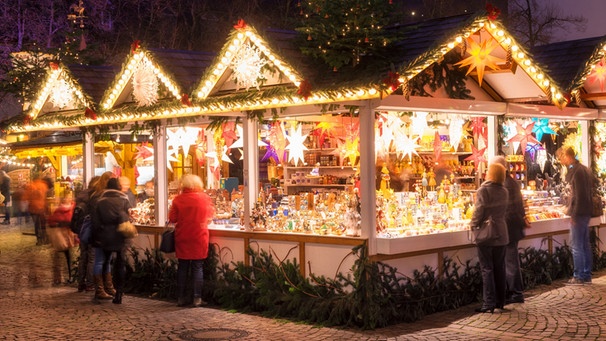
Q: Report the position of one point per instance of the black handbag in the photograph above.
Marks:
(485, 233)
(167, 244)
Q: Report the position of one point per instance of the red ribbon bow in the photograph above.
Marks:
(240, 25)
(392, 80)
(185, 100)
(304, 89)
(90, 114)
(135, 46)
(493, 12)
(53, 65)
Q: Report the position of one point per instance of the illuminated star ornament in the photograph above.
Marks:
(599, 74)
(480, 57)
(295, 145)
(350, 150)
(419, 123)
(477, 156)
(524, 136)
(144, 152)
(541, 126)
(323, 130)
(406, 146)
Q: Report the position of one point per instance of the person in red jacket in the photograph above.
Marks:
(191, 211)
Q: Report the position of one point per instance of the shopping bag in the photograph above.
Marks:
(167, 244)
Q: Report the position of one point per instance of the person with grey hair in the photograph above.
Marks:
(491, 203)
(516, 223)
(191, 210)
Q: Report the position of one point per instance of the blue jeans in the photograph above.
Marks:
(582, 256)
(197, 276)
(102, 261)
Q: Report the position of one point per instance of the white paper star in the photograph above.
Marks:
(239, 143)
(406, 146)
(295, 145)
(419, 123)
(224, 156)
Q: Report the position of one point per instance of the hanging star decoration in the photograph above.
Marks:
(418, 123)
(406, 146)
(480, 131)
(351, 150)
(541, 126)
(277, 140)
(145, 84)
(598, 74)
(214, 165)
(524, 136)
(270, 153)
(144, 151)
(437, 147)
(224, 155)
(296, 145)
(477, 156)
(323, 130)
(532, 149)
(455, 132)
(183, 137)
(228, 133)
(480, 57)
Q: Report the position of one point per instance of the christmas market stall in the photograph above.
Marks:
(383, 143)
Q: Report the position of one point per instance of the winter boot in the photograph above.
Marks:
(118, 298)
(100, 294)
(108, 284)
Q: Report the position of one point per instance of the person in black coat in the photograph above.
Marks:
(516, 223)
(491, 202)
(110, 210)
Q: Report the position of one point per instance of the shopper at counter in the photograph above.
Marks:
(491, 201)
(191, 211)
(579, 182)
(516, 223)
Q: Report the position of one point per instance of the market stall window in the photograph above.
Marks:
(428, 166)
(308, 173)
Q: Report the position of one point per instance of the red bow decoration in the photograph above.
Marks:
(53, 65)
(240, 25)
(493, 12)
(135, 46)
(27, 120)
(304, 89)
(185, 100)
(392, 80)
(90, 114)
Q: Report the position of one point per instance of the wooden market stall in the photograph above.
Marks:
(340, 139)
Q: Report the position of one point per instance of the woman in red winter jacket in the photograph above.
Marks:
(191, 211)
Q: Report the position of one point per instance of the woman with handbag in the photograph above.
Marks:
(191, 211)
(490, 228)
(111, 210)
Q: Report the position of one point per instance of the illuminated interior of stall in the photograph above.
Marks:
(308, 168)
(530, 145)
(427, 164)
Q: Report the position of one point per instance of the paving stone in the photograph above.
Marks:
(35, 310)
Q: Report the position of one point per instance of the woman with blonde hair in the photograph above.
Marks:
(191, 211)
(491, 202)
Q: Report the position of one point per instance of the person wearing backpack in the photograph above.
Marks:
(87, 254)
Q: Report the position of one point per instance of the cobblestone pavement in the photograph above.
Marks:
(32, 309)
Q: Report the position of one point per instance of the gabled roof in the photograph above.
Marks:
(187, 67)
(571, 62)
(60, 91)
(245, 61)
(140, 61)
(94, 79)
(433, 39)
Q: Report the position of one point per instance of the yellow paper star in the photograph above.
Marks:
(480, 57)
(350, 150)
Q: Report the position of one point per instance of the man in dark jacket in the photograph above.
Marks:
(579, 179)
(516, 222)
